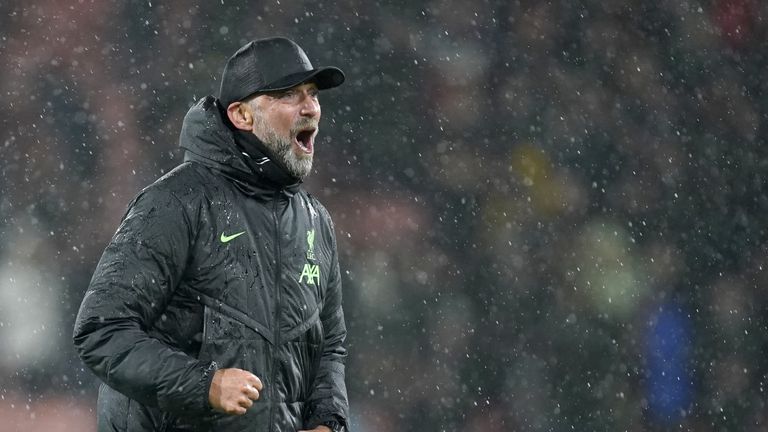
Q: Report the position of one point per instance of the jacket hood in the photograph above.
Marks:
(209, 140)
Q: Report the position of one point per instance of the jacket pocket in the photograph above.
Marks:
(231, 343)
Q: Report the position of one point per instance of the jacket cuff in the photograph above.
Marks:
(207, 379)
(320, 419)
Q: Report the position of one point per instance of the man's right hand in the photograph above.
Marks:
(233, 391)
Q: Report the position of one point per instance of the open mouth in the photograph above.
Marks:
(305, 139)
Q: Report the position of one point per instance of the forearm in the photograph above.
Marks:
(328, 399)
(141, 367)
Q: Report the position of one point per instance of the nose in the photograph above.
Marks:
(310, 106)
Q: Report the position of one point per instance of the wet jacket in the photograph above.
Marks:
(216, 265)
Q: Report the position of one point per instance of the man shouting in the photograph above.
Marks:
(216, 306)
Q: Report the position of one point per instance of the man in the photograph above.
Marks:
(217, 304)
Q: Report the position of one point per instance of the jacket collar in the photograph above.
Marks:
(237, 155)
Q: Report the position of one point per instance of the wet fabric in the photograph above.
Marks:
(216, 265)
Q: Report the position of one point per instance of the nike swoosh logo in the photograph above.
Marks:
(225, 238)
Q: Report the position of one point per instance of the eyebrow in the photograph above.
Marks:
(284, 91)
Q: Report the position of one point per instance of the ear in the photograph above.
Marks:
(240, 115)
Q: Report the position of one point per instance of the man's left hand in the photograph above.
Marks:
(320, 428)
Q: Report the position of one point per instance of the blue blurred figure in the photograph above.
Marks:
(668, 353)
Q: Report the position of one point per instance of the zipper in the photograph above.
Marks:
(278, 308)
(166, 422)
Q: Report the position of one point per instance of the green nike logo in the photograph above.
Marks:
(225, 238)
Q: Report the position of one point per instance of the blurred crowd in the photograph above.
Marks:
(551, 214)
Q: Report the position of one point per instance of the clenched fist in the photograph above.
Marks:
(233, 391)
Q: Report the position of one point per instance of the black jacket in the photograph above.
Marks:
(216, 265)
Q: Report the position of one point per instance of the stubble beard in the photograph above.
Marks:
(298, 165)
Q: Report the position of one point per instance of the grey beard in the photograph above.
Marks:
(298, 166)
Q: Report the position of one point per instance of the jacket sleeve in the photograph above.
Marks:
(328, 400)
(132, 283)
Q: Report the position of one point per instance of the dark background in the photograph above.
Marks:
(551, 214)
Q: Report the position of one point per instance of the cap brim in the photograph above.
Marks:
(325, 78)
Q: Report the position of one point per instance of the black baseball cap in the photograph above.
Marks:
(271, 64)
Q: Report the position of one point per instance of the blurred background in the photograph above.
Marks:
(551, 214)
